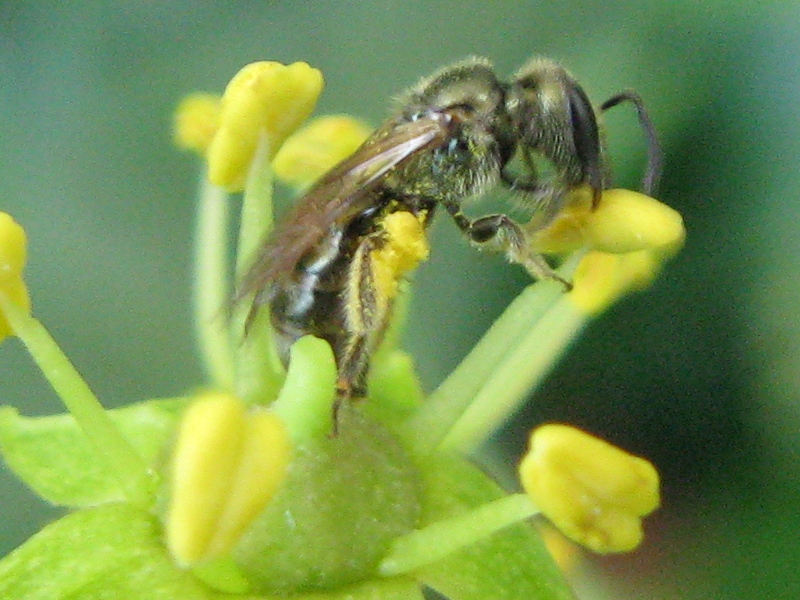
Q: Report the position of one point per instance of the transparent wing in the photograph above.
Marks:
(342, 193)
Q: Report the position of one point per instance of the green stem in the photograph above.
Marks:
(517, 375)
(137, 481)
(431, 424)
(256, 220)
(258, 368)
(212, 286)
(434, 542)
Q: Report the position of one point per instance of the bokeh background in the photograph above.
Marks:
(700, 373)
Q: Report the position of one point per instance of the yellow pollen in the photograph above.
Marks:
(406, 246)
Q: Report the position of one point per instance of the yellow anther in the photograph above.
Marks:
(602, 278)
(313, 150)
(13, 250)
(628, 221)
(566, 232)
(594, 492)
(228, 463)
(625, 221)
(13, 242)
(263, 98)
(196, 122)
(564, 551)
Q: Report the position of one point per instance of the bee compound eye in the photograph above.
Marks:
(484, 229)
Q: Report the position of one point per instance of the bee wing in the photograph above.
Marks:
(343, 192)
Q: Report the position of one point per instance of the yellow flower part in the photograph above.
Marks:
(13, 250)
(227, 464)
(564, 551)
(629, 221)
(406, 246)
(624, 221)
(316, 148)
(566, 232)
(602, 278)
(594, 492)
(196, 122)
(263, 98)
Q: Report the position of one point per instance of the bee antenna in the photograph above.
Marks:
(652, 173)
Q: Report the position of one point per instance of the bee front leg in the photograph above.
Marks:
(543, 199)
(502, 233)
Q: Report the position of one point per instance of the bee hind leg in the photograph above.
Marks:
(366, 309)
(351, 382)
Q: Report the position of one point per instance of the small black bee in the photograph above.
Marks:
(324, 270)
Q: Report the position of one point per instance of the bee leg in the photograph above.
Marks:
(352, 366)
(544, 199)
(366, 308)
(503, 233)
(654, 155)
(351, 381)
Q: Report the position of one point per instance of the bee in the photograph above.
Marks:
(332, 267)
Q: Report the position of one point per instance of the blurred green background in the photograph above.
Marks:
(700, 373)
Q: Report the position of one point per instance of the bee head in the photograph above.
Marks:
(552, 116)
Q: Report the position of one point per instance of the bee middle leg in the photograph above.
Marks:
(501, 232)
